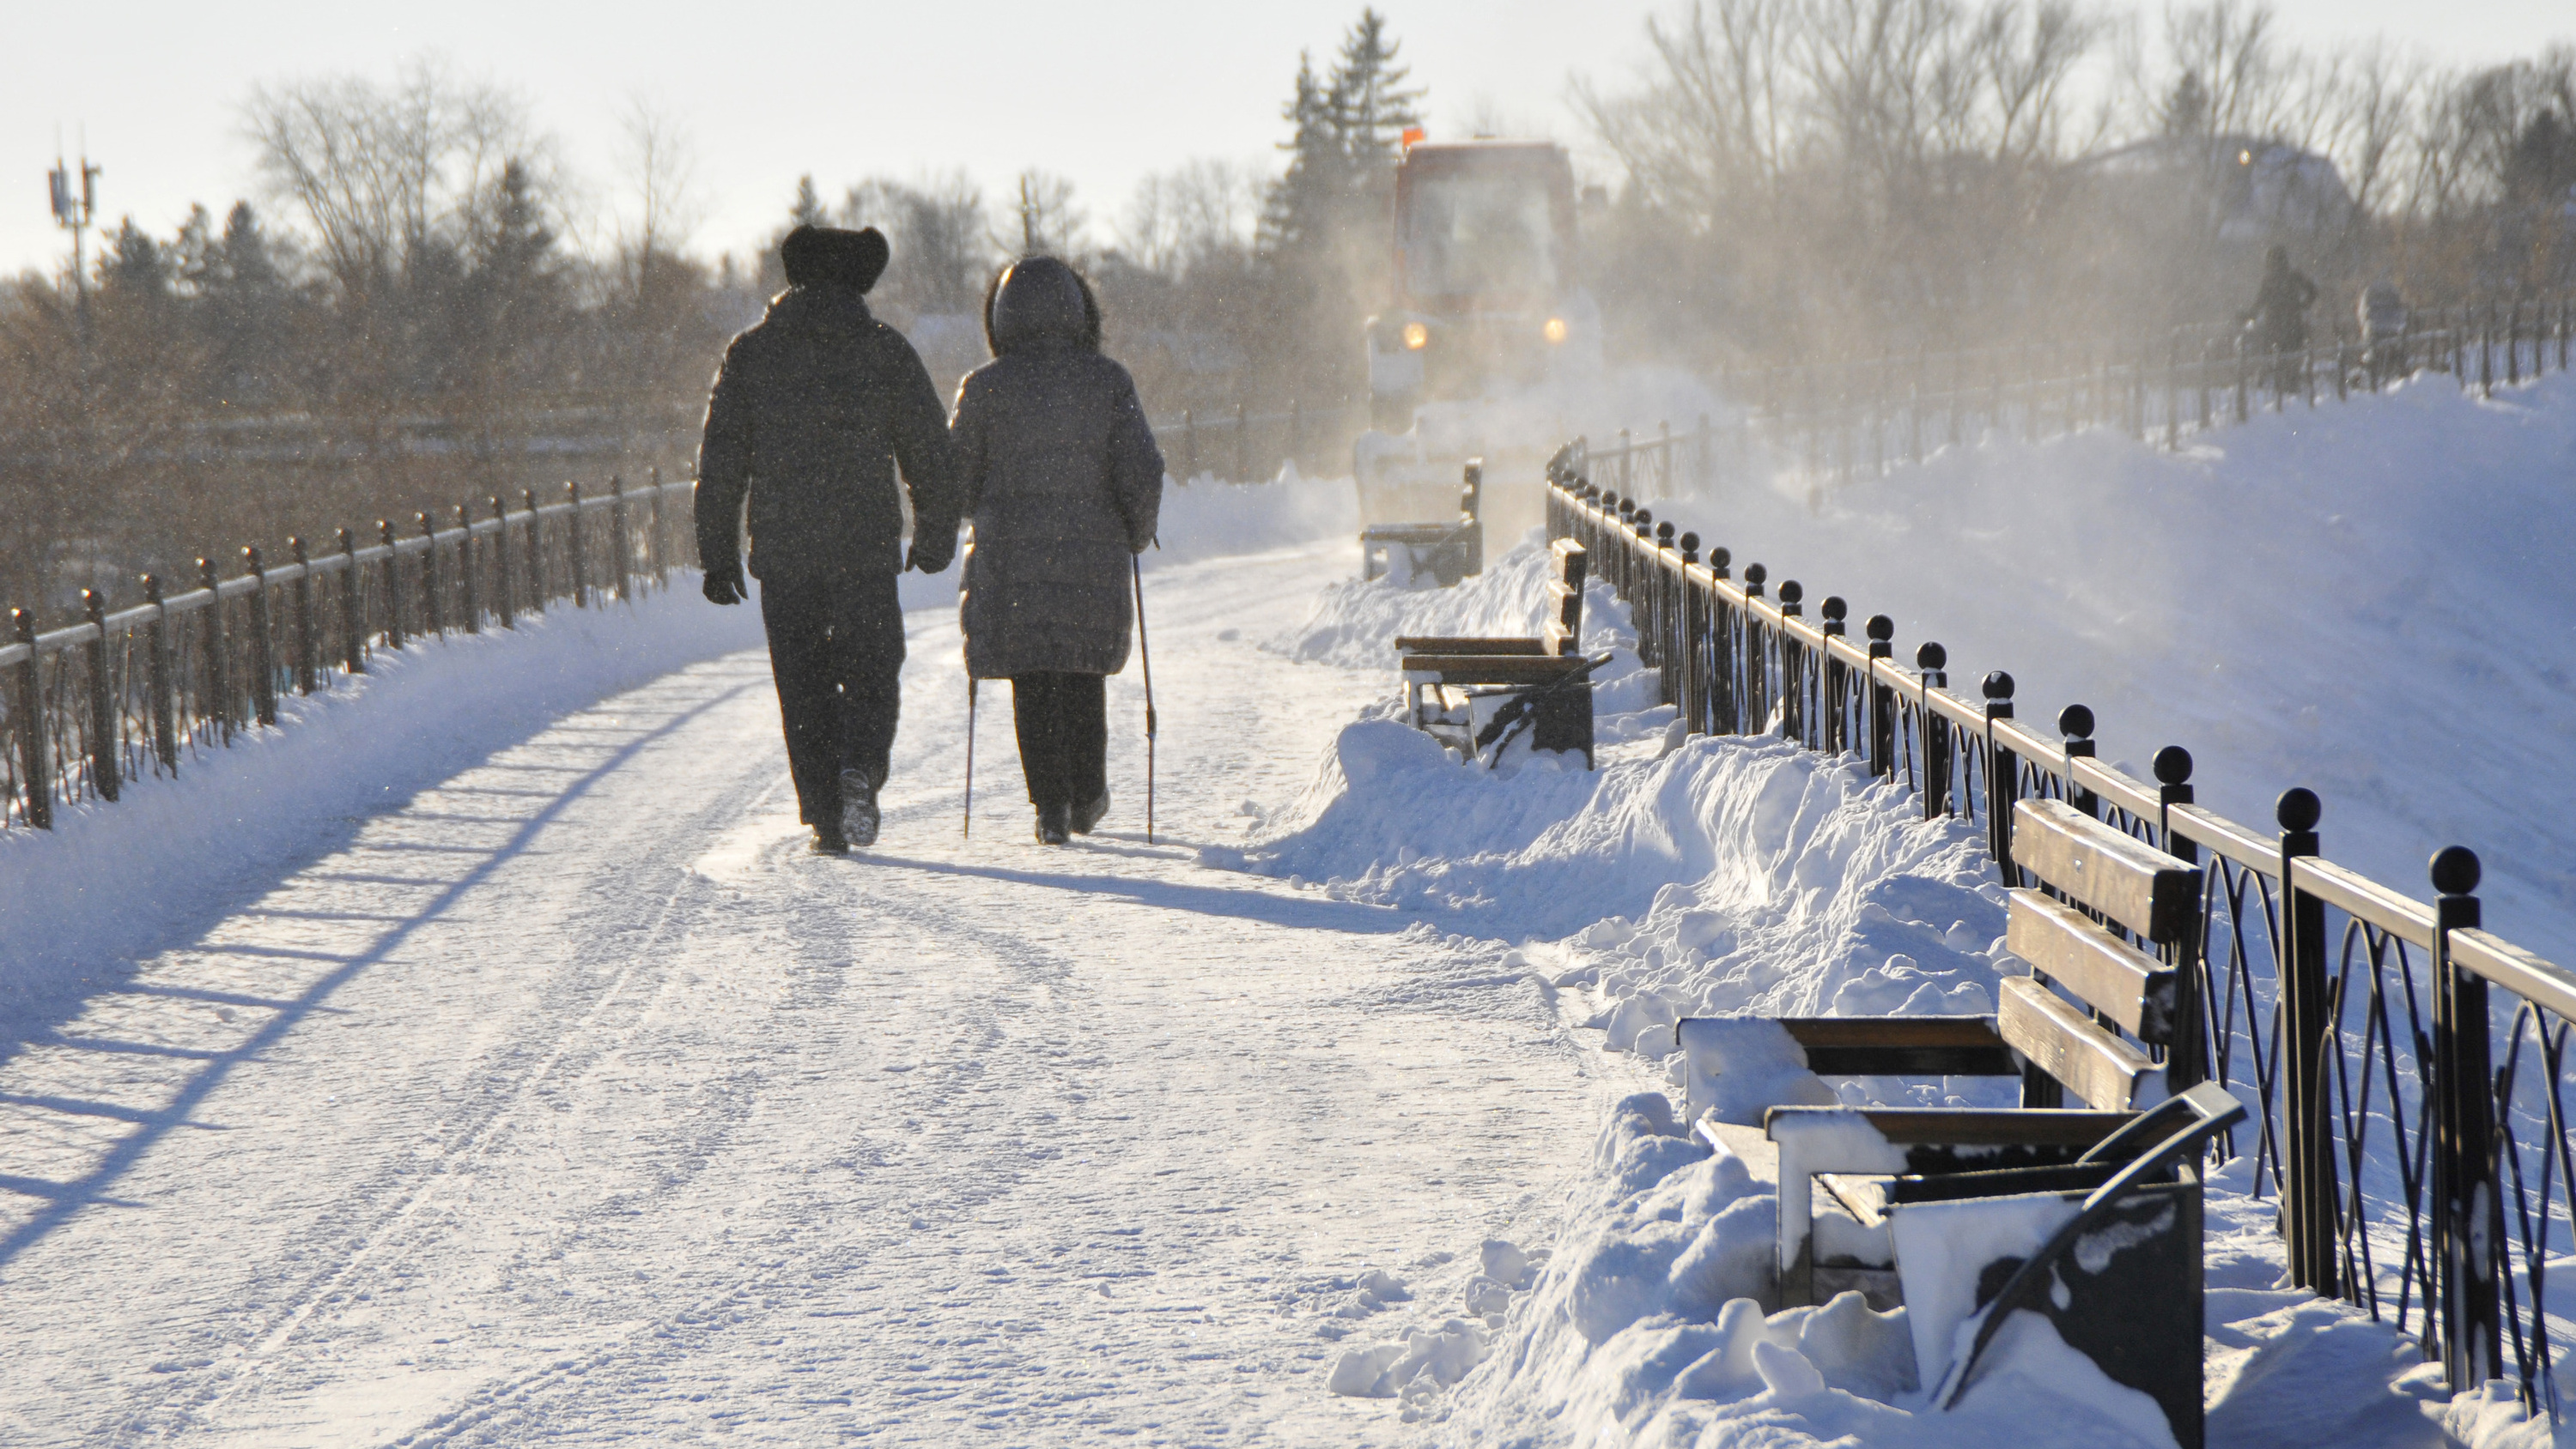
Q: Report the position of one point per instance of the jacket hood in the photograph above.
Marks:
(1038, 303)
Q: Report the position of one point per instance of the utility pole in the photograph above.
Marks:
(73, 212)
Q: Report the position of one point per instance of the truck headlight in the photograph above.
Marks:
(1554, 330)
(1416, 337)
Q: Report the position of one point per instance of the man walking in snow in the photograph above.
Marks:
(815, 407)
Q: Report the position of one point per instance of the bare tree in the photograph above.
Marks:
(381, 171)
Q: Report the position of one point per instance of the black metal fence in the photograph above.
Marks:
(1860, 419)
(127, 696)
(1237, 445)
(2405, 1067)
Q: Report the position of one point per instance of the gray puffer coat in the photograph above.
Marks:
(1062, 481)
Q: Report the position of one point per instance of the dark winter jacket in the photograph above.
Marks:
(1062, 481)
(813, 408)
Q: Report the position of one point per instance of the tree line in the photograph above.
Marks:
(416, 307)
(1806, 179)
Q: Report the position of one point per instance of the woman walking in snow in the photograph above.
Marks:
(1062, 484)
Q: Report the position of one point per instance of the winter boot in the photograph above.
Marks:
(858, 808)
(1088, 815)
(827, 842)
(1052, 823)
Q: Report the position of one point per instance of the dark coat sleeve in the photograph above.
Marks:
(970, 436)
(922, 446)
(1135, 466)
(725, 462)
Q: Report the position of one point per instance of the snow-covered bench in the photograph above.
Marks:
(1448, 551)
(2081, 1024)
(1542, 675)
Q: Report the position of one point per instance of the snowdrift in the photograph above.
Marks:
(1735, 876)
(2372, 600)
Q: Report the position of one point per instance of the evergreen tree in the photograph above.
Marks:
(1373, 107)
(246, 312)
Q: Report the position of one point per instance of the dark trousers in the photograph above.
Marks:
(1063, 723)
(836, 650)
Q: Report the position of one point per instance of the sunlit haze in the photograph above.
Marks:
(1100, 94)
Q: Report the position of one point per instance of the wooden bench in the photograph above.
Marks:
(1543, 676)
(2088, 1023)
(1449, 550)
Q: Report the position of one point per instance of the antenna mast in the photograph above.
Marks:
(74, 210)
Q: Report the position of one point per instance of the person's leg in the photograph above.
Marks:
(798, 622)
(1036, 717)
(1086, 747)
(867, 639)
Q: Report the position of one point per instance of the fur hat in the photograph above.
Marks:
(832, 255)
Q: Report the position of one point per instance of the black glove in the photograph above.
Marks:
(932, 553)
(725, 586)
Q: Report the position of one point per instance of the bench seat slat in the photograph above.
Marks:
(1463, 644)
(2105, 1071)
(1863, 1046)
(1491, 668)
(2130, 881)
(2004, 1127)
(2117, 979)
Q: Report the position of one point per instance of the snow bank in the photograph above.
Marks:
(2372, 600)
(111, 881)
(1738, 879)
(1687, 876)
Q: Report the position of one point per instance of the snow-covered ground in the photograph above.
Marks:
(565, 1099)
(483, 1061)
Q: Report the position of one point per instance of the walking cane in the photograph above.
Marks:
(969, 832)
(1145, 653)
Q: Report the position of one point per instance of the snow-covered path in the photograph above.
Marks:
(572, 1102)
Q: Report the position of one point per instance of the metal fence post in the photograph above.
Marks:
(393, 585)
(353, 618)
(504, 595)
(536, 550)
(2187, 1061)
(2468, 1228)
(308, 659)
(106, 771)
(1793, 667)
(1833, 677)
(1242, 447)
(572, 545)
(263, 648)
(1929, 660)
(2075, 724)
(216, 697)
(1882, 698)
(433, 619)
(472, 603)
(621, 549)
(156, 635)
(2003, 776)
(1756, 658)
(30, 713)
(2307, 1028)
(1694, 634)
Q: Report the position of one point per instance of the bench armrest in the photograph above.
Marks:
(2188, 1121)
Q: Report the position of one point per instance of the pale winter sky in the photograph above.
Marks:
(1100, 93)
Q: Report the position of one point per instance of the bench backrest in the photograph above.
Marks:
(2085, 866)
(1565, 598)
